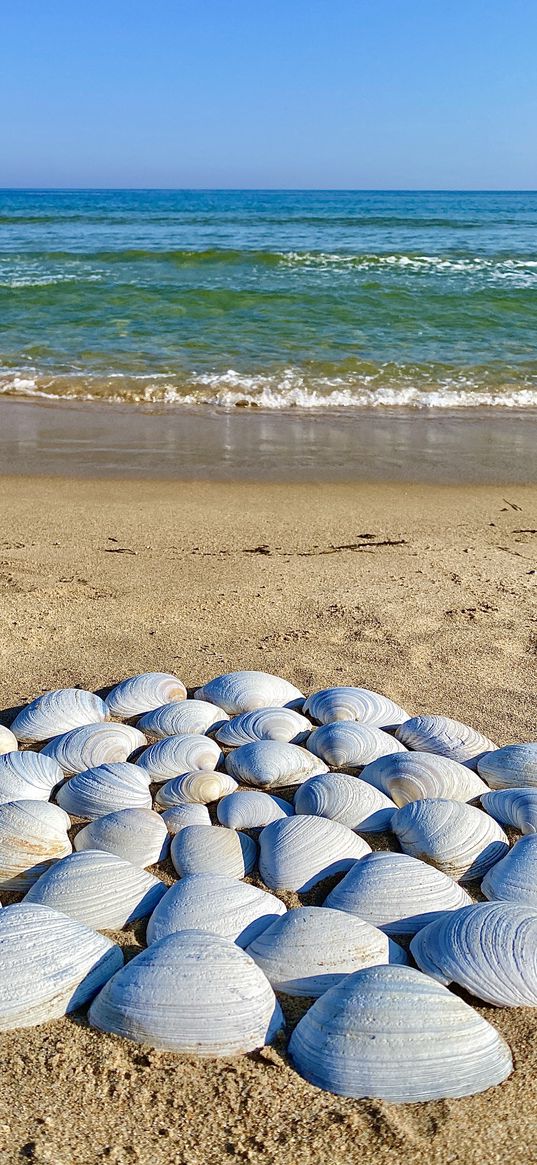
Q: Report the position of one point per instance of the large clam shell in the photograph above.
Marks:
(251, 809)
(445, 736)
(348, 745)
(185, 716)
(359, 704)
(342, 797)
(217, 904)
(458, 839)
(138, 836)
(49, 965)
(26, 775)
(246, 691)
(512, 767)
(176, 755)
(514, 878)
(516, 807)
(141, 693)
(202, 849)
(179, 816)
(300, 851)
(58, 712)
(105, 789)
(410, 776)
(397, 893)
(99, 889)
(283, 724)
(33, 834)
(8, 741)
(93, 745)
(271, 764)
(191, 992)
(392, 1033)
(200, 787)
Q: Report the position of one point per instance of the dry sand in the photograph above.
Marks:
(422, 592)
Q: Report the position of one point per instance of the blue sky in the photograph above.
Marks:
(269, 93)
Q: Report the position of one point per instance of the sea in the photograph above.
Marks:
(276, 300)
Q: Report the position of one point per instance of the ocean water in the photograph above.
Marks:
(271, 299)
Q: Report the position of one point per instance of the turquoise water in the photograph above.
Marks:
(276, 299)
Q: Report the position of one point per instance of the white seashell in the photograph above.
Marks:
(105, 789)
(393, 1034)
(195, 788)
(251, 809)
(270, 764)
(94, 745)
(444, 736)
(33, 835)
(458, 839)
(397, 893)
(514, 766)
(348, 745)
(359, 704)
(410, 776)
(180, 815)
(138, 836)
(185, 716)
(342, 797)
(282, 724)
(141, 693)
(99, 889)
(177, 755)
(489, 949)
(28, 775)
(514, 878)
(246, 691)
(300, 851)
(217, 904)
(310, 949)
(58, 712)
(202, 849)
(8, 741)
(516, 807)
(49, 965)
(194, 993)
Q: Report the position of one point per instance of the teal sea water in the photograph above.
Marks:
(270, 299)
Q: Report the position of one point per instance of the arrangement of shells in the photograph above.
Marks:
(253, 795)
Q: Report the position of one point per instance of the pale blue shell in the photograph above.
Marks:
(143, 692)
(360, 704)
(94, 745)
(246, 691)
(217, 904)
(105, 789)
(447, 737)
(514, 766)
(176, 755)
(58, 712)
(281, 724)
(251, 809)
(462, 841)
(516, 807)
(28, 774)
(99, 889)
(342, 797)
(397, 893)
(346, 744)
(272, 764)
(139, 836)
(300, 851)
(409, 776)
(514, 879)
(183, 716)
(202, 849)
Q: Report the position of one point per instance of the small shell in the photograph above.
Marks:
(33, 835)
(251, 809)
(28, 775)
(176, 755)
(185, 716)
(300, 851)
(446, 737)
(282, 724)
(8, 741)
(516, 807)
(179, 816)
(394, 1034)
(217, 904)
(98, 889)
(514, 878)
(105, 789)
(58, 712)
(246, 691)
(348, 745)
(49, 965)
(410, 776)
(93, 745)
(397, 893)
(458, 839)
(194, 993)
(310, 949)
(342, 797)
(514, 766)
(359, 704)
(271, 764)
(199, 788)
(202, 849)
(489, 949)
(138, 836)
(141, 693)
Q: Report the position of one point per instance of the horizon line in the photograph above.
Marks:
(271, 189)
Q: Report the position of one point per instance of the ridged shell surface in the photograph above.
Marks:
(344, 703)
(282, 724)
(458, 839)
(49, 965)
(445, 736)
(94, 745)
(199, 787)
(346, 744)
(410, 776)
(191, 992)
(99, 889)
(180, 816)
(342, 797)
(202, 849)
(216, 904)
(271, 764)
(28, 775)
(246, 691)
(397, 893)
(142, 693)
(176, 755)
(104, 790)
(33, 834)
(512, 767)
(138, 836)
(8, 741)
(300, 851)
(251, 809)
(187, 716)
(394, 1034)
(514, 878)
(58, 712)
(516, 807)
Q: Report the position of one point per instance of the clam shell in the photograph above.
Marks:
(191, 992)
(446, 737)
(33, 835)
(359, 704)
(300, 851)
(93, 745)
(516, 807)
(514, 878)
(99, 889)
(141, 693)
(514, 766)
(310, 949)
(346, 744)
(489, 949)
(49, 965)
(217, 904)
(8, 741)
(105, 789)
(177, 755)
(199, 787)
(342, 797)
(458, 839)
(282, 724)
(397, 893)
(394, 1034)
(246, 691)
(251, 809)
(28, 775)
(185, 716)
(410, 776)
(180, 815)
(270, 764)
(202, 849)
(58, 712)
(138, 836)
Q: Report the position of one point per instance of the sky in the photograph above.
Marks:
(352, 94)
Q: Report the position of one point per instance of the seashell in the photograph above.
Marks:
(246, 691)
(200, 787)
(142, 693)
(33, 835)
(8, 741)
(489, 949)
(194, 993)
(514, 766)
(105, 789)
(58, 712)
(310, 949)
(346, 744)
(270, 764)
(251, 809)
(410, 776)
(397, 893)
(516, 807)
(28, 775)
(458, 839)
(180, 815)
(300, 851)
(94, 745)
(177, 755)
(202, 849)
(99, 889)
(394, 1034)
(342, 797)
(514, 878)
(49, 965)
(185, 716)
(444, 736)
(282, 724)
(217, 904)
(344, 703)
(139, 836)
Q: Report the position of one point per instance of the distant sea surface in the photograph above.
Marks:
(280, 300)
